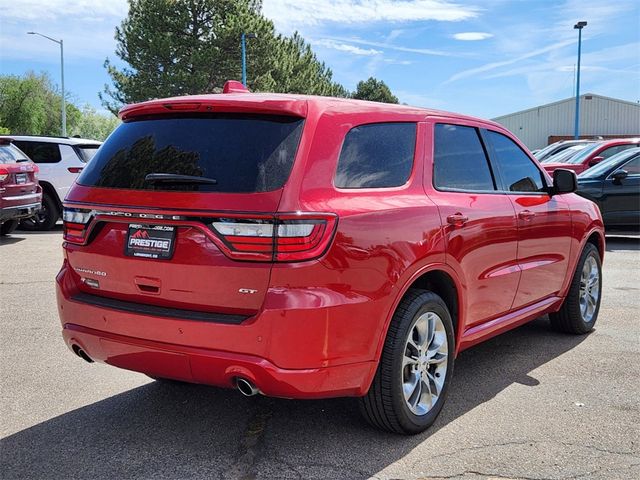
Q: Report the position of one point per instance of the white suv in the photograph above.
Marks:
(60, 160)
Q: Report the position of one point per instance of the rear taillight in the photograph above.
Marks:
(36, 171)
(4, 173)
(283, 238)
(75, 169)
(75, 222)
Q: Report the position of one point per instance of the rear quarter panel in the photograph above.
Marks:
(383, 237)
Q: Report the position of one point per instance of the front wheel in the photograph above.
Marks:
(415, 369)
(579, 311)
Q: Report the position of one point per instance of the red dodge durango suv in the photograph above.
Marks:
(310, 247)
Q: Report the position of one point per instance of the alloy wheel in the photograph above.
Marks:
(424, 363)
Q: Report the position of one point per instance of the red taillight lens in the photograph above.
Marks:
(283, 238)
(4, 173)
(75, 169)
(74, 224)
(36, 171)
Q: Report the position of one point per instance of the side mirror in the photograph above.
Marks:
(619, 176)
(595, 161)
(564, 181)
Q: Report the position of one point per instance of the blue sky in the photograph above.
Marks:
(484, 57)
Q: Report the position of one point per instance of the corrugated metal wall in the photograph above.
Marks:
(598, 116)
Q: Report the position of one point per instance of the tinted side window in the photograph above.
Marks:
(632, 167)
(40, 152)
(460, 162)
(377, 156)
(517, 170)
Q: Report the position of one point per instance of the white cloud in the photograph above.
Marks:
(389, 46)
(39, 10)
(344, 47)
(472, 36)
(288, 14)
(492, 66)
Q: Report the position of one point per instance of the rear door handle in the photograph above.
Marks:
(457, 219)
(526, 215)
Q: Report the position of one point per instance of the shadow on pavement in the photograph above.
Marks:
(56, 229)
(615, 243)
(10, 239)
(169, 430)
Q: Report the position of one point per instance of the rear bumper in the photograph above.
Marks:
(211, 367)
(19, 211)
(285, 353)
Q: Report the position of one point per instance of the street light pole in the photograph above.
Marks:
(64, 107)
(243, 42)
(578, 26)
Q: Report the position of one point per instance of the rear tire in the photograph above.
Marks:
(45, 219)
(579, 311)
(8, 227)
(415, 369)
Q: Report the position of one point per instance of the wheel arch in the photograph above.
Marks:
(50, 190)
(597, 239)
(441, 280)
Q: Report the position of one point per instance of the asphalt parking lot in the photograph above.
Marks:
(530, 404)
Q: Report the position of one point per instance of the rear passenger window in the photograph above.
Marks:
(40, 152)
(517, 170)
(459, 160)
(377, 156)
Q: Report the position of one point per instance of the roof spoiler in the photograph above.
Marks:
(234, 86)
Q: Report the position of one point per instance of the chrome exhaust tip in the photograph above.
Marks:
(246, 387)
(82, 354)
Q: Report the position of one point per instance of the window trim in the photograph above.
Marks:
(412, 172)
(486, 157)
(492, 154)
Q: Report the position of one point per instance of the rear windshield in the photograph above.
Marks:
(242, 153)
(10, 154)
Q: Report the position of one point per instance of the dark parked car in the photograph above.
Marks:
(20, 194)
(314, 247)
(615, 186)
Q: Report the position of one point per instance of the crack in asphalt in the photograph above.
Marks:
(530, 443)
(251, 444)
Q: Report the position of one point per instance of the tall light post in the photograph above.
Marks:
(243, 41)
(579, 26)
(64, 108)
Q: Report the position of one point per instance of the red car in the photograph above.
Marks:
(20, 194)
(310, 247)
(592, 155)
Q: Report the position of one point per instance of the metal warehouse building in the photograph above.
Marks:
(599, 116)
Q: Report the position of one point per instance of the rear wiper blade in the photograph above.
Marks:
(176, 178)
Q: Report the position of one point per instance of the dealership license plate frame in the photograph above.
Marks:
(155, 234)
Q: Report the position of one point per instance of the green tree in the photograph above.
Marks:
(375, 91)
(179, 47)
(94, 125)
(30, 104)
